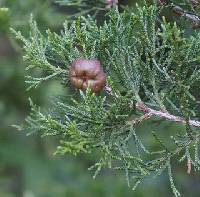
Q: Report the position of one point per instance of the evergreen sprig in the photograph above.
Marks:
(152, 70)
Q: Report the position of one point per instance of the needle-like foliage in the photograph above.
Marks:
(153, 70)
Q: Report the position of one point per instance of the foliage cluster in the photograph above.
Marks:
(147, 60)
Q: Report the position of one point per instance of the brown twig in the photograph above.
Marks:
(165, 115)
(189, 166)
(180, 12)
(149, 112)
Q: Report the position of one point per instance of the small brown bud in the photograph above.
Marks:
(84, 73)
(110, 3)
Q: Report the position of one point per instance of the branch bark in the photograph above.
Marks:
(179, 11)
(148, 112)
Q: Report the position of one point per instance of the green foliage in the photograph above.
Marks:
(157, 64)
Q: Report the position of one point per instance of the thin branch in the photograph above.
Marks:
(189, 166)
(165, 115)
(148, 113)
(180, 12)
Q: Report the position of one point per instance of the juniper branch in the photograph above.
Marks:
(151, 70)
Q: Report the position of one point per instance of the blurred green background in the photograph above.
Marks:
(27, 165)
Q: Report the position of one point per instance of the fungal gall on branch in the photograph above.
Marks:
(84, 73)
